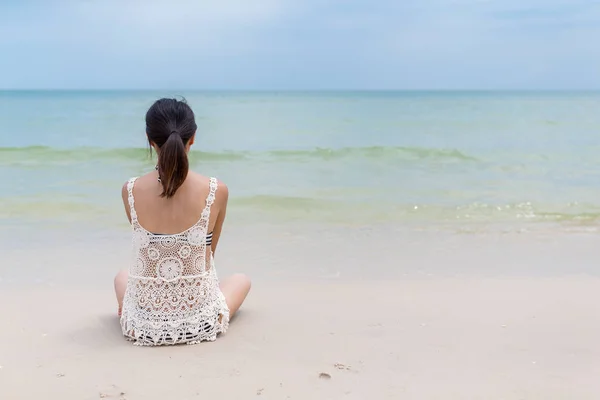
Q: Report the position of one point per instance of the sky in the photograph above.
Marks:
(300, 44)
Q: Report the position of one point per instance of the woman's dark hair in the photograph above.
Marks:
(170, 124)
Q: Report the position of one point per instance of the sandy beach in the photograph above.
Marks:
(413, 190)
(485, 316)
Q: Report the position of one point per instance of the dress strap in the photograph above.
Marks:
(132, 212)
(213, 185)
(210, 199)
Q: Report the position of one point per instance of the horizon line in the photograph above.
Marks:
(330, 90)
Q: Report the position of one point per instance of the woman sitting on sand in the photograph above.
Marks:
(171, 293)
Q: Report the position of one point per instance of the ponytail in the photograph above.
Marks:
(173, 164)
(170, 126)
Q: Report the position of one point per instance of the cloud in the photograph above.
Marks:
(309, 44)
(180, 16)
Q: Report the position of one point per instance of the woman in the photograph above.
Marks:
(171, 293)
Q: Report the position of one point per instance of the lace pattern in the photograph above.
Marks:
(173, 293)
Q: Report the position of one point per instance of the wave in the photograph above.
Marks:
(287, 208)
(49, 154)
(377, 152)
(330, 209)
(44, 154)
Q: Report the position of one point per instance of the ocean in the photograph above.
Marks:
(437, 160)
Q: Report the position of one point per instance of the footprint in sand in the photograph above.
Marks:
(113, 393)
(342, 366)
(324, 375)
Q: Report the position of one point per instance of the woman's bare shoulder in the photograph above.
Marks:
(139, 180)
(203, 181)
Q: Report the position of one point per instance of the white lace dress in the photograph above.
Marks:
(173, 293)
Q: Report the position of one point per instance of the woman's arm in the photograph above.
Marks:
(125, 196)
(222, 198)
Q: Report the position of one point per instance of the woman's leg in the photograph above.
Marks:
(235, 288)
(120, 286)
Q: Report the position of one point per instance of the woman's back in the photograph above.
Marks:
(176, 214)
(172, 293)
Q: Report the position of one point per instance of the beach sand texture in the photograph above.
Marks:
(467, 321)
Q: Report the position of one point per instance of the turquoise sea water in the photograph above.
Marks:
(357, 158)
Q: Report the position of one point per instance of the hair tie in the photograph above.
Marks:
(173, 131)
